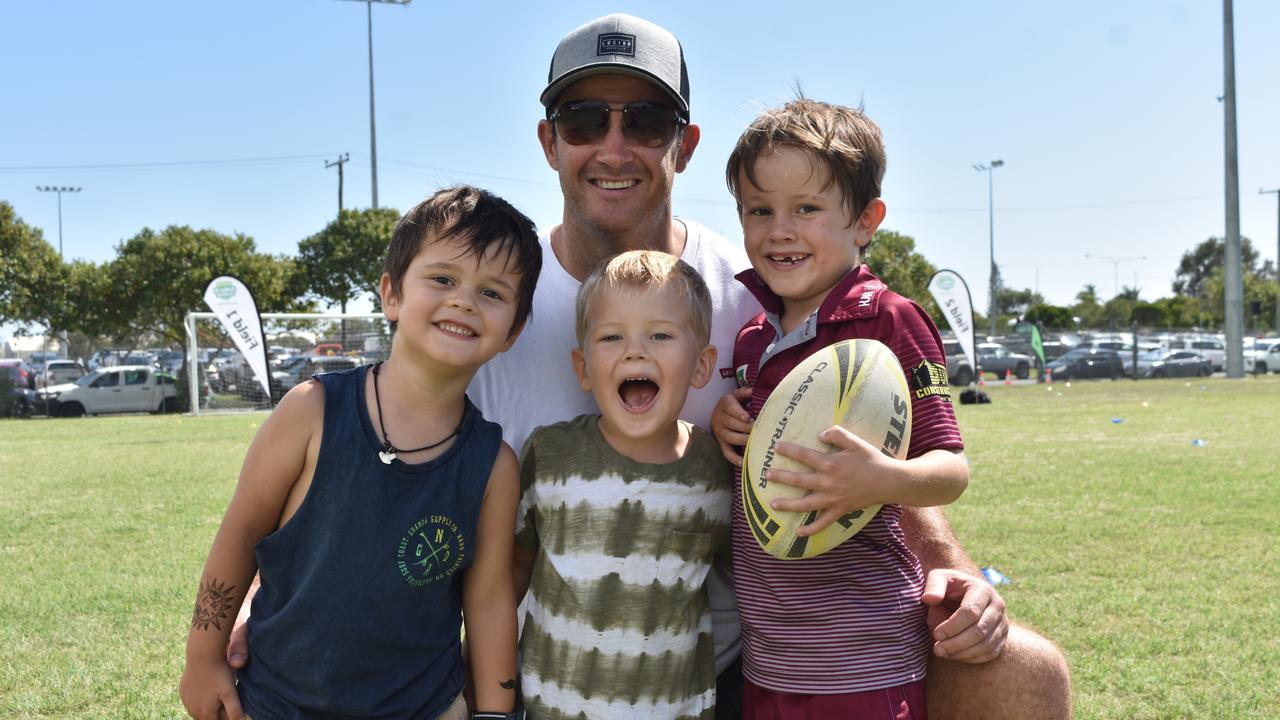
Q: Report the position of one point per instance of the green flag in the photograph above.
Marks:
(1033, 330)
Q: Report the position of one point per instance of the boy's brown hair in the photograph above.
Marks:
(847, 142)
(487, 226)
(648, 270)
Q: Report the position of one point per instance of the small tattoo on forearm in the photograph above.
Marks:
(508, 684)
(212, 603)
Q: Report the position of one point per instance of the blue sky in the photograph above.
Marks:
(1105, 114)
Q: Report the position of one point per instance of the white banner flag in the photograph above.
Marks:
(952, 296)
(232, 302)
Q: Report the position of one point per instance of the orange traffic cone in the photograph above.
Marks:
(1048, 375)
(982, 379)
(1008, 377)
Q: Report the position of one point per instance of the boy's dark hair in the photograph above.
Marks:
(486, 224)
(844, 139)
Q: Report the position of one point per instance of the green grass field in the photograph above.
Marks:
(1153, 562)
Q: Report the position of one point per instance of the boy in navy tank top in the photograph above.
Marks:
(377, 503)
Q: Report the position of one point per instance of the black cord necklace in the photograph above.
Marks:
(388, 452)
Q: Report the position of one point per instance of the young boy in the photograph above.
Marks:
(378, 504)
(623, 512)
(842, 634)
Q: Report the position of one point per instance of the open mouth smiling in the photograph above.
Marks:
(638, 394)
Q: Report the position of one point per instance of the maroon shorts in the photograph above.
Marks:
(904, 702)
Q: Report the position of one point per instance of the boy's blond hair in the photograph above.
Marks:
(847, 142)
(648, 270)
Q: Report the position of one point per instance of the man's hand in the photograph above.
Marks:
(238, 644)
(848, 478)
(731, 423)
(966, 616)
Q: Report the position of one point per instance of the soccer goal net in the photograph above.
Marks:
(299, 345)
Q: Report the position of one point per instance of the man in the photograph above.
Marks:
(617, 197)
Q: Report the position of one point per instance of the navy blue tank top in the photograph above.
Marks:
(360, 610)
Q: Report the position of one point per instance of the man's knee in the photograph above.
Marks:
(1030, 679)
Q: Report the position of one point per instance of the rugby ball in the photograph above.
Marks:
(854, 383)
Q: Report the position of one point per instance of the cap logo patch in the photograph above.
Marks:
(616, 44)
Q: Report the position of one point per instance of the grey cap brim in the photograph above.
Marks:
(554, 89)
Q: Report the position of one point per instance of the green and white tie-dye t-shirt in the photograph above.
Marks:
(617, 623)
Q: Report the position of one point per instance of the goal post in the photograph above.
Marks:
(299, 345)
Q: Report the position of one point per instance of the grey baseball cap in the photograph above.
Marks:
(622, 44)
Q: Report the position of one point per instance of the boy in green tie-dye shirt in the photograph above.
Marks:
(622, 512)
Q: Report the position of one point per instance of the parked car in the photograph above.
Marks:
(1256, 356)
(170, 360)
(19, 372)
(1174, 363)
(1210, 347)
(1273, 359)
(301, 368)
(231, 372)
(959, 371)
(1123, 349)
(24, 400)
(139, 357)
(38, 359)
(124, 388)
(60, 372)
(994, 358)
(1087, 363)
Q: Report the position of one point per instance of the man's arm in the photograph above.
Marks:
(966, 614)
(238, 645)
(930, 537)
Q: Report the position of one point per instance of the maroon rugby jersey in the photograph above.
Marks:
(851, 619)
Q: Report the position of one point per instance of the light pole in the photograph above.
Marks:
(1277, 194)
(1115, 269)
(59, 190)
(991, 224)
(373, 134)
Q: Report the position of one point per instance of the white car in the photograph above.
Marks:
(60, 372)
(122, 388)
(1262, 356)
(1210, 347)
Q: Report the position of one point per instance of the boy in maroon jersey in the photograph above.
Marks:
(842, 634)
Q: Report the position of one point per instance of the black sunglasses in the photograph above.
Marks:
(587, 121)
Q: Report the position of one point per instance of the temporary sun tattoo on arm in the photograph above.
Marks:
(212, 603)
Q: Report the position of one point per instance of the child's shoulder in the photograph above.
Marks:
(559, 434)
(303, 400)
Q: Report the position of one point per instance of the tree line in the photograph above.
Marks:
(157, 277)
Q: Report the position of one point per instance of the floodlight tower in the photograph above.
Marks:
(1277, 194)
(59, 190)
(373, 134)
(991, 224)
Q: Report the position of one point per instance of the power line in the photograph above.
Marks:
(162, 165)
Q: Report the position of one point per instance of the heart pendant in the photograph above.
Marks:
(386, 457)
